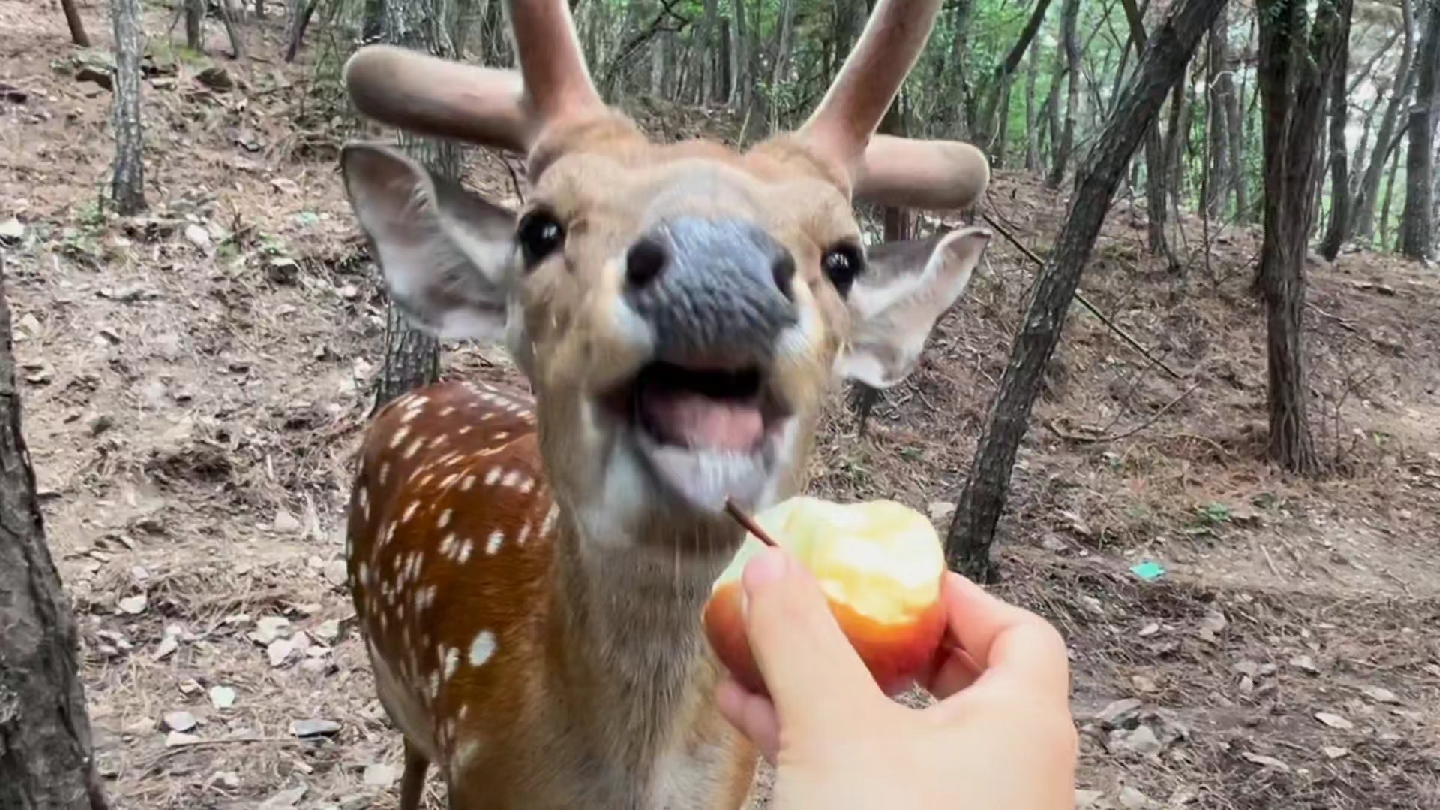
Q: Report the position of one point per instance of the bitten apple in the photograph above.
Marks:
(880, 566)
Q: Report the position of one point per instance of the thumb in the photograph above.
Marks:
(811, 671)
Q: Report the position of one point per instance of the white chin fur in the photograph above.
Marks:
(706, 478)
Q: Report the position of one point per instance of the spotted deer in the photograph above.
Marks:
(528, 573)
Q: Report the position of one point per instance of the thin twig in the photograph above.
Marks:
(1127, 434)
(1111, 325)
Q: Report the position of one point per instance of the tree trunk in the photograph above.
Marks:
(1417, 224)
(233, 29)
(1339, 152)
(706, 39)
(77, 27)
(1032, 118)
(1363, 219)
(299, 21)
(1293, 68)
(128, 187)
(1070, 40)
(997, 94)
(964, 104)
(1218, 135)
(412, 358)
(1385, 206)
(195, 25)
(45, 752)
(972, 532)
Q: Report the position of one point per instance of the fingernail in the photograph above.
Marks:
(767, 566)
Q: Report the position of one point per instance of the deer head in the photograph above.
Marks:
(679, 309)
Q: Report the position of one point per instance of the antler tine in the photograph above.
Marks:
(557, 82)
(894, 36)
(502, 108)
(437, 97)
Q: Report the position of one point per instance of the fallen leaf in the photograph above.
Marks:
(1380, 694)
(133, 605)
(222, 697)
(179, 721)
(1334, 721)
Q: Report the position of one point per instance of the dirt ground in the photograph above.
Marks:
(195, 381)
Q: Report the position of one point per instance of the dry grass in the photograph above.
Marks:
(192, 410)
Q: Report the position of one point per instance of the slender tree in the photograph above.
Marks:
(45, 751)
(128, 188)
(1339, 156)
(77, 26)
(1417, 219)
(1296, 58)
(972, 531)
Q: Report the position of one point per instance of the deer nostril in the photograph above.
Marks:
(645, 261)
(784, 271)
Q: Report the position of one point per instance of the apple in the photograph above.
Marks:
(880, 565)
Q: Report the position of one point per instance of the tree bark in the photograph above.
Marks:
(972, 532)
(1417, 223)
(1001, 82)
(46, 759)
(233, 29)
(195, 25)
(1220, 84)
(77, 26)
(128, 186)
(1386, 139)
(412, 358)
(1294, 65)
(1339, 223)
(1070, 41)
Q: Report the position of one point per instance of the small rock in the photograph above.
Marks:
(215, 78)
(355, 801)
(1380, 694)
(133, 605)
(1212, 625)
(306, 729)
(222, 697)
(379, 776)
(270, 628)
(349, 292)
(1141, 741)
(1119, 713)
(179, 721)
(285, 522)
(1085, 799)
(328, 631)
(11, 231)
(1150, 629)
(1305, 664)
(285, 798)
(229, 780)
(167, 645)
(1332, 752)
(336, 572)
(198, 236)
(279, 651)
(1334, 721)
(175, 739)
(940, 510)
(29, 323)
(99, 423)
(1054, 545)
(1132, 799)
(191, 687)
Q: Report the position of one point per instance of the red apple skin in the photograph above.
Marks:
(894, 653)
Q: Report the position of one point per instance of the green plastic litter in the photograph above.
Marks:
(1148, 571)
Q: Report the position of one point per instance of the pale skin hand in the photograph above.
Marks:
(999, 739)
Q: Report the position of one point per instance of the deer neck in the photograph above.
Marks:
(624, 642)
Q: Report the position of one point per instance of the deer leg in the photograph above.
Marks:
(412, 780)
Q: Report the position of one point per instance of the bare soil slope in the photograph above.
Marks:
(196, 380)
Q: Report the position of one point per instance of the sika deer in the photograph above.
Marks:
(529, 575)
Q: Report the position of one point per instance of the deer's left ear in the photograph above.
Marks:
(896, 303)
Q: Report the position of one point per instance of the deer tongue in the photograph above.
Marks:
(691, 419)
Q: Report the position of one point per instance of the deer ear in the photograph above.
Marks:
(447, 255)
(896, 303)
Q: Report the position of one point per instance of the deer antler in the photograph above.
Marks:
(500, 108)
(841, 126)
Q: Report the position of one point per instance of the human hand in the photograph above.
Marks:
(1001, 736)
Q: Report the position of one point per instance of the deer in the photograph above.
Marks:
(528, 567)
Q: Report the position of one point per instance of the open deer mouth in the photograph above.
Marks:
(709, 432)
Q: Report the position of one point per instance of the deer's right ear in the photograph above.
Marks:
(447, 256)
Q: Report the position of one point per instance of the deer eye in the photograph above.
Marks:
(843, 263)
(539, 234)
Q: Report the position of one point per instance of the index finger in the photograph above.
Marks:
(1006, 640)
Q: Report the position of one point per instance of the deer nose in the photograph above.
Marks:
(719, 287)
